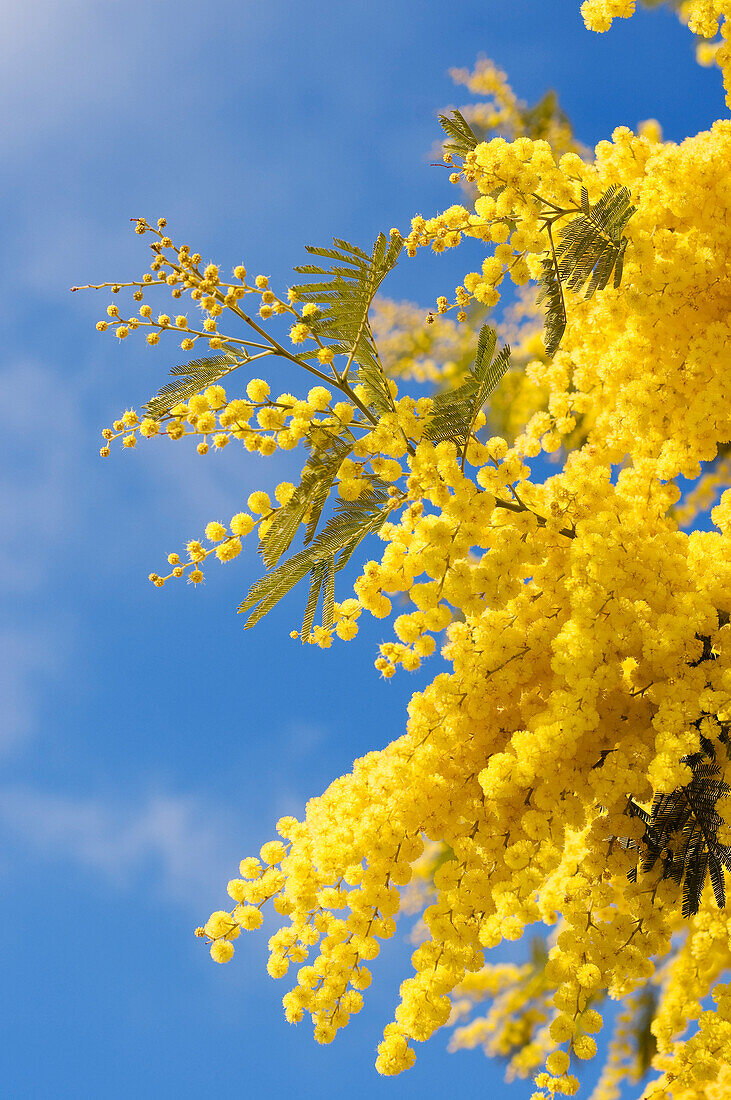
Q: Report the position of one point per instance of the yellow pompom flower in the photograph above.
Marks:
(149, 427)
(250, 867)
(284, 492)
(236, 889)
(273, 852)
(319, 398)
(229, 550)
(558, 1062)
(299, 333)
(222, 951)
(215, 396)
(259, 503)
(249, 917)
(242, 524)
(215, 532)
(257, 390)
(218, 924)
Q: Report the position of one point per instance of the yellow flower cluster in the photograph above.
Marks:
(664, 184)
(182, 271)
(260, 422)
(578, 667)
(503, 109)
(227, 540)
(587, 639)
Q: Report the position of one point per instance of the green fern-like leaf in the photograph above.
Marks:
(463, 138)
(328, 597)
(322, 559)
(343, 291)
(454, 411)
(266, 593)
(320, 572)
(592, 245)
(551, 292)
(590, 249)
(353, 520)
(308, 499)
(191, 378)
(681, 833)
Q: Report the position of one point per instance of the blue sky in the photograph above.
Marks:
(147, 742)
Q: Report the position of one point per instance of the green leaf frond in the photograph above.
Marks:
(551, 292)
(592, 246)
(323, 571)
(343, 291)
(191, 378)
(308, 500)
(352, 522)
(454, 411)
(681, 831)
(463, 137)
(590, 249)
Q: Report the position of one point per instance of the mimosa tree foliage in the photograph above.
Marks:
(571, 767)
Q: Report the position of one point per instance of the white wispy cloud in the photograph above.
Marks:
(38, 481)
(27, 657)
(53, 75)
(174, 845)
(68, 513)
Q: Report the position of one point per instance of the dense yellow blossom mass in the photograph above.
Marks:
(571, 768)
